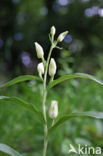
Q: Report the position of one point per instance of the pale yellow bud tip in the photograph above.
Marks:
(40, 69)
(53, 30)
(39, 50)
(52, 67)
(53, 111)
(62, 36)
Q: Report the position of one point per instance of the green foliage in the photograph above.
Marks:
(6, 149)
(19, 79)
(77, 75)
(77, 96)
(43, 68)
(34, 109)
(97, 115)
(26, 105)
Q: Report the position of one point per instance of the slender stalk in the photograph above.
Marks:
(53, 123)
(45, 124)
(44, 103)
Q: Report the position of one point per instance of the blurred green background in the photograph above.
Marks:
(21, 24)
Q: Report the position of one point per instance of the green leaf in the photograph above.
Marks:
(19, 79)
(76, 75)
(6, 149)
(23, 103)
(97, 115)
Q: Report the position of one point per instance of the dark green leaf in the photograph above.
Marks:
(19, 79)
(76, 75)
(23, 103)
(97, 115)
(6, 149)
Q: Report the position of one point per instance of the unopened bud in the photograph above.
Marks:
(52, 67)
(40, 69)
(53, 30)
(62, 36)
(39, 50)
(53, 111)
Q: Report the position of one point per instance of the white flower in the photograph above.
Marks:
(62, 36)
(39, 50)
(53, 111)
(40, 69)
(52, 67)
(53, 30)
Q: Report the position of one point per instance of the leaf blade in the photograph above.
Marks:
(8, 150)
(18, 80)
(19, 101)
(76, 75)
(96, 115)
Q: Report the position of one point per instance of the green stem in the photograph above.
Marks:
(53, 123)
(44, 103)
(47, 64)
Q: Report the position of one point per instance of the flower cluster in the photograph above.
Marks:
(49, 65)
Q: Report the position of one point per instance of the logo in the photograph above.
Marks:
(85, 149)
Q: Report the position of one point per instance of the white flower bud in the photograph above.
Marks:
(39, 50)
(53, 111)
(62, 36)
(53, 30)
(40, 69)
(52, 67)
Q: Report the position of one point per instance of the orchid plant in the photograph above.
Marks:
(44, 68)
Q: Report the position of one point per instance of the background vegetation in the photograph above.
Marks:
(22, 23)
